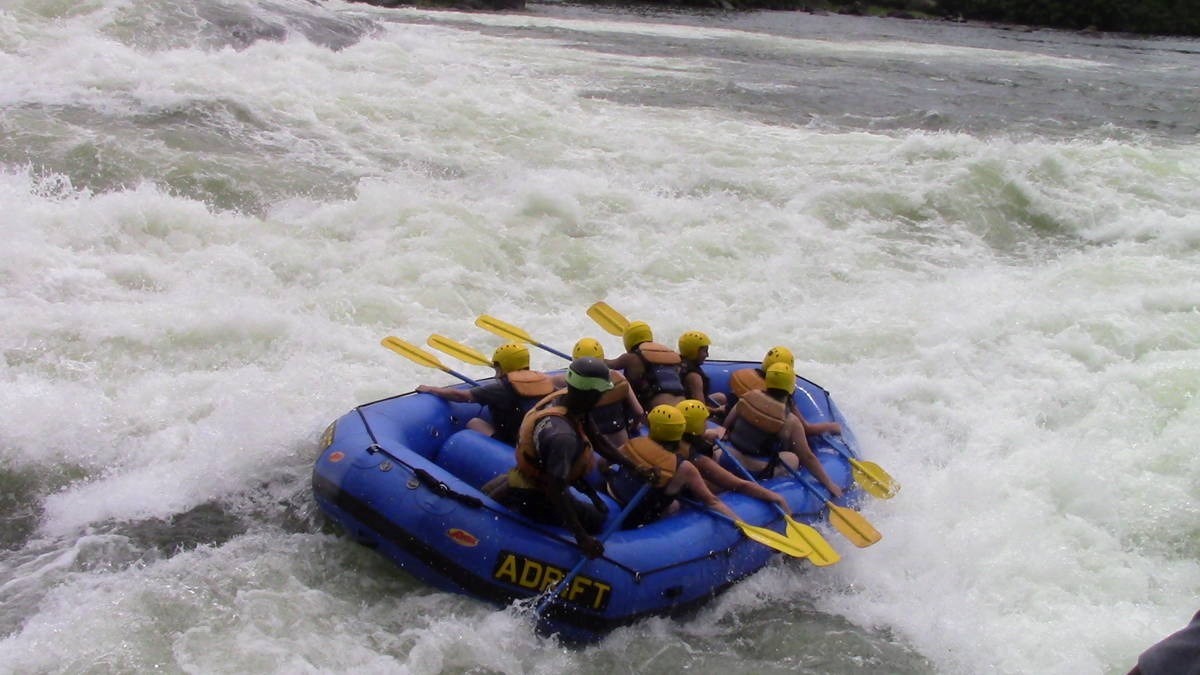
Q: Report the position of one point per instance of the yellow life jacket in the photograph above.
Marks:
(529, 465)
(647, 454)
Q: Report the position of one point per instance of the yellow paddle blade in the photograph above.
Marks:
(872, 478)
(821, 553)
(458, 350)
(853, 525)
(608, 318)
(773, 539)
(412, 352)
(505, 330)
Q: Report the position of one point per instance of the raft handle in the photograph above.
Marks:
(442, 490)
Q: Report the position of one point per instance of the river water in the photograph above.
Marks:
(984, 242)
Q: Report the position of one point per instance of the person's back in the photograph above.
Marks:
(652, 369)
(769, 436)
(618, 410)
(655, 458)
(508, 397)
(555, 451)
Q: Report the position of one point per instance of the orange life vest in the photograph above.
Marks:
(529, 464)
(530, 383)
(647, 454)
(744, 380)
(760, 418)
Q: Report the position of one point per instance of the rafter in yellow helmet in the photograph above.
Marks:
(511, 356)
(666, 423)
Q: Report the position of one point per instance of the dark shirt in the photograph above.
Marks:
(1176, 654)
(504, 404)
(558, 446)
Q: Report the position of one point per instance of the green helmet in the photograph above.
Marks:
(588, 374)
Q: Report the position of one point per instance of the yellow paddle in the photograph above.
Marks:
(421, 357)
(870, 476)
(510, 332)
(766, 536)
(458, 350)
(852, 524)
(822, 553)
(608, 318)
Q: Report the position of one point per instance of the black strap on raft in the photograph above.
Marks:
(442, 490)
(428, 480)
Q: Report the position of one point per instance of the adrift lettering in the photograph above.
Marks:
(519, 570)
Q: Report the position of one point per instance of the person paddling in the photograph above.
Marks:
(508, 397)
(618, 412)
(653, 369)
(699, 446)
(749, 379)
(654, 459)
(764, 430)
(693, 349)
(555, 451)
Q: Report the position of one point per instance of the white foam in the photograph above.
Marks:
(1010, 324)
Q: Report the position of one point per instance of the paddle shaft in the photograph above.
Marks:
(422, 358)
(822, 553)
(553, 593)
(510, 332)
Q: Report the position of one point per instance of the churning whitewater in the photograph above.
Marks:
(985, 243)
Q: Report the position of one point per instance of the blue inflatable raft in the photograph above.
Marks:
(403, 476)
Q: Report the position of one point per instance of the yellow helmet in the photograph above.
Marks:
(781, 376)
(510, 357)
(666, 423)
(587, 347)
(778, 355)
(636, 333)
(690, 344)
(695, 414)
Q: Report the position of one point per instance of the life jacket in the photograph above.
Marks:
(661, 372)
(746, 379)
(529, 463)
(695, 445)
(647, 454)
(527, 388)
(610, 413)
(760, 418)
(530, 384)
